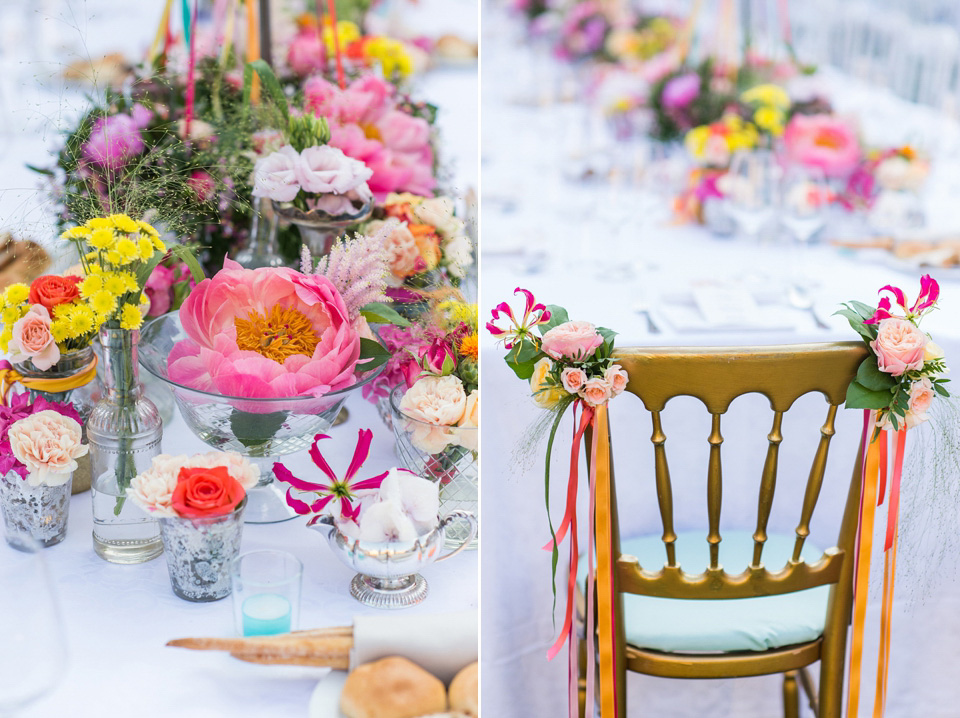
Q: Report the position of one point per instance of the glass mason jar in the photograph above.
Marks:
(37, 513)
(262, 249)
(444, 454)
(124, 432)
(200, 553)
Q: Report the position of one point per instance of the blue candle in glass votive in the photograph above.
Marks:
(266, 614)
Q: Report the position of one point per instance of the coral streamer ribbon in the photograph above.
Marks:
(872, 494)
(332, 9)
(10, 376)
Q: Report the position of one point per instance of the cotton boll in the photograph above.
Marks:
(390, 488)
(386, 522)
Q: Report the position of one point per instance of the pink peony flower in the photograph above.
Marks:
(265, 333)
(32, 339)
(572, 340)
(113, 141)
(48, 444)
(596, 391)
(899, 346)
(823, 141)
(306, 54)
(275, 176)
(679, 92)
(573, 379)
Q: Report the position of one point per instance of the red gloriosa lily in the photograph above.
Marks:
(336, 489)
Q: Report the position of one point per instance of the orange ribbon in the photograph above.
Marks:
(606, 586)
(9, 377)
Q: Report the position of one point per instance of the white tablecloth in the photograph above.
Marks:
(568, 242)
(118, 618)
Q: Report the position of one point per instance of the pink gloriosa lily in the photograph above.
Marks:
(534, 313)
(929, 294)
(336, 489)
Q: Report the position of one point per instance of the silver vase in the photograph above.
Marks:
(34, 513)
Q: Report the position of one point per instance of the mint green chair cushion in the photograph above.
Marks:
(743, 624)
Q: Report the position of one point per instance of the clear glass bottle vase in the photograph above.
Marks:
(262, 249)
(124, 431)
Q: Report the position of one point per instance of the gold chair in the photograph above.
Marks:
(821, 584)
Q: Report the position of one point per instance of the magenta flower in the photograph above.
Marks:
(533, 314)
(113, 141)
(929, 294)
(679, 92)
(334, 489)
(438, 358)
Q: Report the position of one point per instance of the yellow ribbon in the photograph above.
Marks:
(9, 377)
(868, 503)
(606, 586)
(161, 36)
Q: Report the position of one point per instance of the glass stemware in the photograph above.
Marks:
(804, 199)
(751, 186)
(33, 657)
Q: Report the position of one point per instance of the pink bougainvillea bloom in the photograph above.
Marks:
(265, 333)
(333, 490)
(823, 141)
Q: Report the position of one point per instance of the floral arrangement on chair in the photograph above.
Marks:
(895, 386)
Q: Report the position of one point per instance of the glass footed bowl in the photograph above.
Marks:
(261, 429)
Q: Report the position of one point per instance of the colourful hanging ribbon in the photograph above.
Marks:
(874, 481)
(606, 581)
(191, 73)
(10, 376)
(163, 34)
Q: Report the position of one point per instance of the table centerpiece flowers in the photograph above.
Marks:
(199, 502)
(118, 255)
(40, 442)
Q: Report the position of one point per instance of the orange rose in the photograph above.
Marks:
(204, 492)
(51, 290)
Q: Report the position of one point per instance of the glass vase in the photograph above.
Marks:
(72, 363)
(34, 513)
(124, 432)
(262, 250)
(319, 230)
(444, 454)
(200, 553)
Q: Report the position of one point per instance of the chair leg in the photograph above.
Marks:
(582, 681)
(806, 682)
(791, 695)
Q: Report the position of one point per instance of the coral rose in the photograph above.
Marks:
(32, 339)
(51, 290)
(596, 391)
(573, 379)
(48, 444)
(617, 378)
(921, 396)
(202, 492)
(572, 340)
(899, 346)
(265, 333)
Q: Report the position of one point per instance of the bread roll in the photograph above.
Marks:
(465, 691)
(392, 688)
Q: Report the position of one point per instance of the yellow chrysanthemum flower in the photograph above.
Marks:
(10, 316)
(16, 294)
(127, 249)
(770, 95)
(103, 302)
(76, 233)
(60, 330)
(347, 32)
(124, 223)
(102, 239)
(129, 281)
(696, 141)
(130, 317)
(99, 223)
(5, 338)
(158, 243)
(769, 119)
(82, 320)
(91, 285)
(147, 229)
(114, 283)
(145, 247)
(391, 54)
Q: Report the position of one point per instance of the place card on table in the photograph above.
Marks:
(723, 307)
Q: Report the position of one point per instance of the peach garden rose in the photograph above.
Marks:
(48, 444)
(899, 346)
(469, 437)
(596, 391)
(32, 339)
(436, 403)
(573, 379)
(572, 340)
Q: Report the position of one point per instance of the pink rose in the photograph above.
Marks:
(306, 54)
(596, 391)
(921, 396)
(899, 346)
(48, 444)
(572, 340)
(32, 339)
(275, 176)
(617, 378)
(434, 403)
(327, 170)
(573, 379)
(822, 141)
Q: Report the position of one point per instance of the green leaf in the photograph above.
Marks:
(380, 313)
(859, 397)
(856, 322)
(186, 255)
(608, 336)
(146, 269)
(528, 352)
(558, 315)
(372, 354)
(870, 376)
(270, 84)
(940, 390)
(40, 170)
(864, 310)
(255, 430)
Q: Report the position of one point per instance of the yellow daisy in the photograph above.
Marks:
(124, 223)
(91, 285)
(769, 119)
(5, 338)
(127, 249)
(158, 243)
(114, 283)
(82, 321)
(99, 223)
(147, 229)
(145, 247)
(76, 233)
(103, 302)
(10, 316)
(16, 294)
(60, 330)
(129, 281)
(102, 239)
(130, 317)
